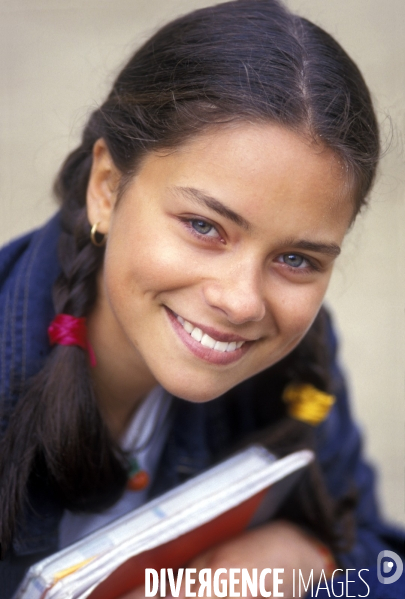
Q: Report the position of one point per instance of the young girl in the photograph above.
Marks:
(200, 219)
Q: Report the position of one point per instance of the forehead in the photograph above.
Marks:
(260, 168)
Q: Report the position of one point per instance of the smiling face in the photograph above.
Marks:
(218, 256)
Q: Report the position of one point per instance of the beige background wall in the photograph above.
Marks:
(57, 60)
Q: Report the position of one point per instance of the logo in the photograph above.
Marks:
(390, 563)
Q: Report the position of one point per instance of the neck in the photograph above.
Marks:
(121, 378)
(117, 398)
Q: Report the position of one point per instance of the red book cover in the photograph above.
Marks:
(180, 551)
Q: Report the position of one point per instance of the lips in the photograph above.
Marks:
(206, 340)
(210, 345)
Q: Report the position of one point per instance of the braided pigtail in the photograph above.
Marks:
(79, 452)
(310, 363)
(56, 430)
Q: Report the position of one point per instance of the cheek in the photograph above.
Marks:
(137, 263)
(295, 306)
(292, 312)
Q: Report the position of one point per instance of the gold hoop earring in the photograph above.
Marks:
(97, 239)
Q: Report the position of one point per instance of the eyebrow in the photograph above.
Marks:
(199, 197)
(331, 249)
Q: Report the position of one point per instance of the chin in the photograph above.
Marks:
(197, 391)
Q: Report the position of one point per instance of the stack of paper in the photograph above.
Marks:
(242, 491)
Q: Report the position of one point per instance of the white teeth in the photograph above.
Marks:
(197, 334)
(206, 340)
(188, 327)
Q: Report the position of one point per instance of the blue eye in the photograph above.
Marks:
(293, 260)
(203, 228)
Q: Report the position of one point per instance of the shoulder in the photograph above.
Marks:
(22, 255)
(28, 269)
(10, 255)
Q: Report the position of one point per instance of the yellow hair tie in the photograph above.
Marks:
(307, 403)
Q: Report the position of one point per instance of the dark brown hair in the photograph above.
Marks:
(247, 60)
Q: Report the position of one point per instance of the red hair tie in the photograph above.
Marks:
(70, 330)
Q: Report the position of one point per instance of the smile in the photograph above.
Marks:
(207, 341)
(209, 345)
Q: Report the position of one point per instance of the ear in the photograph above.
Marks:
(102, 187)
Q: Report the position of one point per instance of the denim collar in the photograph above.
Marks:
(28, 267)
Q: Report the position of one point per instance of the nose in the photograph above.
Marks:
(238, 293)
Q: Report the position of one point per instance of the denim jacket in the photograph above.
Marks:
(200, 432)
